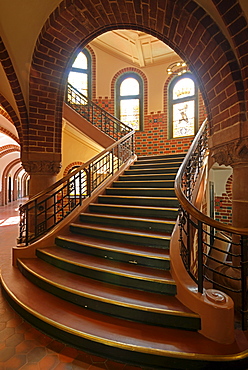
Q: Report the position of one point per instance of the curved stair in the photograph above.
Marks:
(106, 286)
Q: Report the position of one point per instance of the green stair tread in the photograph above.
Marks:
(164, 213)
(143, 183)
(154, 192)
(131, 219)
(134, 170)
(111, 331)
(102, 291)
(122, 230)
(115, 246)
(137, 207)
(110, 266)
(137, 197)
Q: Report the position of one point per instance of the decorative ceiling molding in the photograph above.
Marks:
(135, 47)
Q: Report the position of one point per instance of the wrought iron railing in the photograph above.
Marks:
(214, 254)
(48, 208)
(100, 118)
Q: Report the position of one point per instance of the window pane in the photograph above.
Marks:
(80, 61)
(183, 119)
(183, 88)
(129, 112)
(129, 86)
(79, 81)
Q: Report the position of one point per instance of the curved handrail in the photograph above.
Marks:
(208, 255)
(95, 114)
(187, 205)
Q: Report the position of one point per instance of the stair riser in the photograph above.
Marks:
(112, 309)
(121, 237)
(134, 224)
(148, 177)
(174, 156)
(149, 164)
(144, 184)
(139, 201)
(115, 256)
(157, 213)
(141, 192)
(105, 276)
(151, 171)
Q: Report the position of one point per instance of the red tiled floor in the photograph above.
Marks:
(22, 346)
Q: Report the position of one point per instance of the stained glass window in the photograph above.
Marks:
(183, 106)
(129, 100)
(80, 73)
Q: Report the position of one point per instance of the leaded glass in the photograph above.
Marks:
(183, 88)
(129, 112)
(79, 81)
(183, 118)
(80, 61)
(129, 86)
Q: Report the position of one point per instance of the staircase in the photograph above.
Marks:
(106, 286)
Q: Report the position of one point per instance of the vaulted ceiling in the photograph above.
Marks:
(134, 47)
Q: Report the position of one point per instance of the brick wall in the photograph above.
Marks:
(153, 140)
(223, 204)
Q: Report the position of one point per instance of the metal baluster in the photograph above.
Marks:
(200, 257)
(244, 273)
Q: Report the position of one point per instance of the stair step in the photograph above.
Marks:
(114, 272)
(154, 166)
(148, 177)
(119, 339)
(158, 212)
(150, 162)
(176, 156)
(154, 192)
(122, 302)
(145, 184)
(136, 200)
(156, 170)
(140, 237)
(113, 250)
(131, 222)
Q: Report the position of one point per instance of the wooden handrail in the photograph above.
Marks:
(188, 206)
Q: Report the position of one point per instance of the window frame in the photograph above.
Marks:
(172, 102)
(87, 71)
(140, 96)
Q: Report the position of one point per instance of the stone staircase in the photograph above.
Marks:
(106, 286)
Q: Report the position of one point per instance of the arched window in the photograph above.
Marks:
(80, 73)
(183, 106)
(129, 100)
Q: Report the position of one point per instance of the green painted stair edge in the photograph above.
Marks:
(123, 236)
(110, 277)
(121, 256)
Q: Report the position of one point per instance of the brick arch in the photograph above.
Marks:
(15, 181)
(8, 133)
(182, 24)
(6, 149)
(5, 180)
(5, 114)
(229, 185)
(70, 166)
(17, 92)
(237, 26)
(139, 72)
